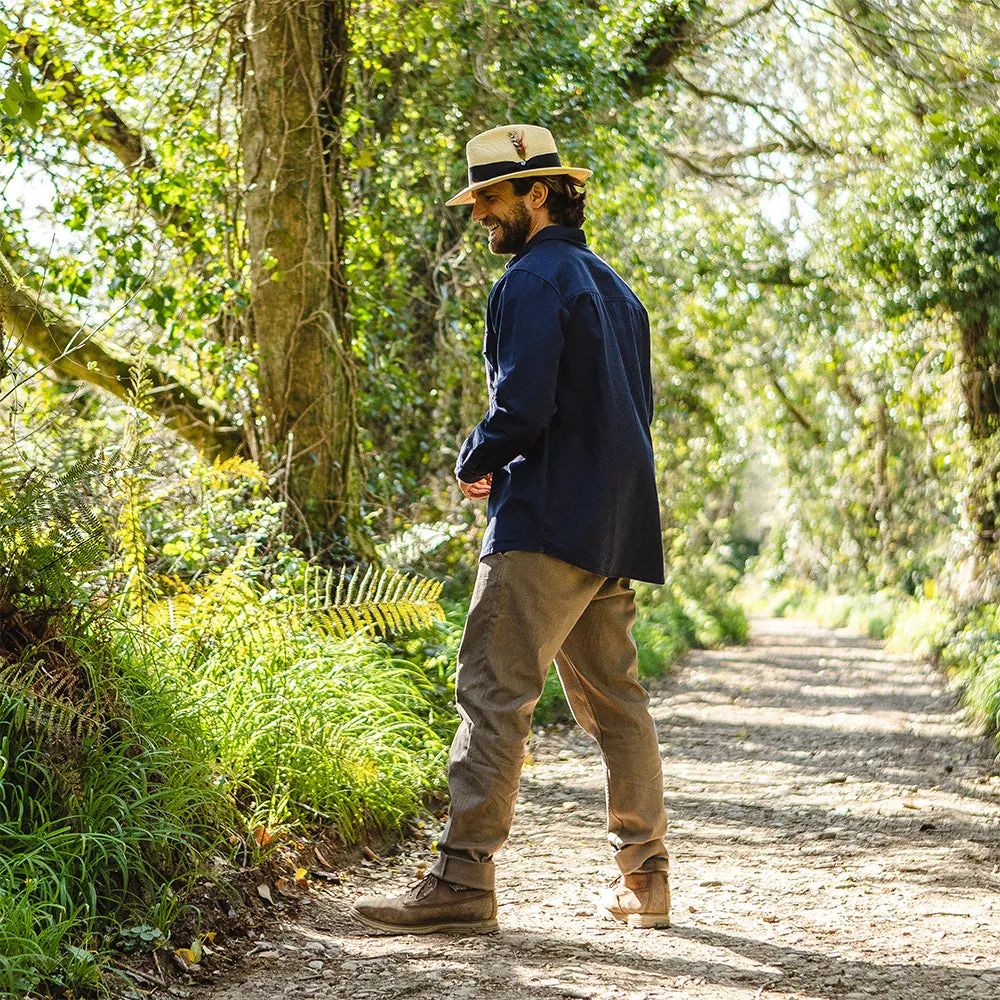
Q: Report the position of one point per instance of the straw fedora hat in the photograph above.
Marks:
(512, 151)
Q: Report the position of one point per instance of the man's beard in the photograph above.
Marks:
(512, 233)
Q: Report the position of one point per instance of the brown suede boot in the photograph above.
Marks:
(641, 899)
(431, 906)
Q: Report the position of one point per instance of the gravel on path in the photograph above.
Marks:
(835, 833)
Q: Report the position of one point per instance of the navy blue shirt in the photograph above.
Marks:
(567, 435)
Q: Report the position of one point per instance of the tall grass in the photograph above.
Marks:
(94, 821)
(310, 729)
(301, 704)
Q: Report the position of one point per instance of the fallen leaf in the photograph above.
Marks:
(287, 887)
(300, 874)
(264, 891)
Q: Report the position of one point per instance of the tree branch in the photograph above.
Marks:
(657, 49)
(748, 15)
(102, 122)
(764, 111)
(714, 165)
(74, 352)
(797, 415)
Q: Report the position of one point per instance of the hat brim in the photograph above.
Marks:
(464, 197)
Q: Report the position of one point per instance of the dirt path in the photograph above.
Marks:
(834, 834)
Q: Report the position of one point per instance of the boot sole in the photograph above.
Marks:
(639, 921)
(479, 927)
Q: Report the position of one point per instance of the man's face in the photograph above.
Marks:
(505, 216)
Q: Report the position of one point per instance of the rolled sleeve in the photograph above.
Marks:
(530, 331)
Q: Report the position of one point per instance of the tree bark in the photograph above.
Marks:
(980, 376)
(294, 86)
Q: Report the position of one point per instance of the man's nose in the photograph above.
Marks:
(477, 210)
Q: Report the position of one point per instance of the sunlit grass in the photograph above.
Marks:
(314, 730)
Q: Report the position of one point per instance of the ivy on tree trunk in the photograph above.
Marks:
(293, 91)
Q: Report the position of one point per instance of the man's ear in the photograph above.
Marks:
(538, 194)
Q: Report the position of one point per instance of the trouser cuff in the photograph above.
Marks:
(649, 857)
(461, 871)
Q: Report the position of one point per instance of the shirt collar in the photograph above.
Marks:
(567, 233)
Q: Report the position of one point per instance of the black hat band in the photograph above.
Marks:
(487, 171)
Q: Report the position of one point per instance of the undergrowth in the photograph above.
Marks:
(102, 808)
(149, 721)
(312, 730)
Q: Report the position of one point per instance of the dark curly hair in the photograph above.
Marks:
(567, 198)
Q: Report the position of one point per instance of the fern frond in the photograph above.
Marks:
(222, 471)
(382, 601)
(50, 528)
(49, 707)
(405, 549)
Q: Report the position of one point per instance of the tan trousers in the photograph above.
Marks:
(528, 609)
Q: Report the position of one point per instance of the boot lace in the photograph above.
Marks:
(422, 888)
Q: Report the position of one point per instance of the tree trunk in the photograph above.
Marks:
(980, 373)
(296, 58)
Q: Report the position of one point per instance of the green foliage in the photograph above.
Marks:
(931, 225)
(128, 755)
(923, 627)
(972, 655)
(200, 515)
(313, 730)
(380, 601)
(49, 532)
(104, 800)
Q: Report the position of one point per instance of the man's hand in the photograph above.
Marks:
(479, 490)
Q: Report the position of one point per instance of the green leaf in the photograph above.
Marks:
(31, 112)
(13, 97)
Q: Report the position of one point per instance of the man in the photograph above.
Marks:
(565, 457)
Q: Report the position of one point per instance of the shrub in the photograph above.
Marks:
(973, 657)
